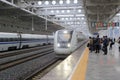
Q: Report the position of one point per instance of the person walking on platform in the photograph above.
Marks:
(111, 43)
(90, 44)
(119, 43)
(97, 44)
(105, 44)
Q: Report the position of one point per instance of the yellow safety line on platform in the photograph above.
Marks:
(80, 71)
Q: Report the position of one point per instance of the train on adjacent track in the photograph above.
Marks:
(67, 41)
(12, 41)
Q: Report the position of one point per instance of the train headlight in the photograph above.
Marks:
(68, 44)
(58, 45)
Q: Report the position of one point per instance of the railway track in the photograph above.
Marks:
(41, 56)
(25, 59)
(22, 51)
(43, 67)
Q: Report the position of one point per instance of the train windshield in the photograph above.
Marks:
(64, 36)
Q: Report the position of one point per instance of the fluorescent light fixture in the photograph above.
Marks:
(78, 18)
(82, 18)
(64, 15)
(66, 18)
(68, 11)
(46, 2)
(75, 1)
(39, 2)
(62, 18)
(53, 2)
(80, 15)
(79, 10)
(70, 18)
(57, 11)
(63, 11)
(68, 1)
(61, 1)
(52, 11)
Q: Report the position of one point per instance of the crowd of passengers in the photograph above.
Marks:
(97, 44)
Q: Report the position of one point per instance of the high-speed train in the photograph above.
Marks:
(67, 41)
(11, 41)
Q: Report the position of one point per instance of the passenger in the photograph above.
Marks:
(119, 43)
(97, 44)
(105, 44)
(90, 44)
(111, 43)
(114, 40)
(93, 44)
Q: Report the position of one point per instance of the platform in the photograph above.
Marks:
(64, 70)
(82, 65)
(104, 67)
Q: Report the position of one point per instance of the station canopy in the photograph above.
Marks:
(71, 14)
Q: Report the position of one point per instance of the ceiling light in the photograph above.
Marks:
(82, 18)
(63, 11)
(52, 11)
(80, 15)
(64, 15)
(62, 18)
(46, 2)
(78, 18)
(70, 18)
(79, 10)
(61, 1)
(75, 1)
(68, 11)
(68, 1)
(39, 2)
(66, 18)
(53, 2)
(57, 11)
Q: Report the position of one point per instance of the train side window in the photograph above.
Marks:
(11, 39)
(0, 39)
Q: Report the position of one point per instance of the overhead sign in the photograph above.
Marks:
(104, 25)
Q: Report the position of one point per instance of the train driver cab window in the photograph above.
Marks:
(64, 36)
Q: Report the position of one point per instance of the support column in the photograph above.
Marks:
(32, 23)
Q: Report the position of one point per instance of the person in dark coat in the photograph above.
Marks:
(105, 45)
(97, 44)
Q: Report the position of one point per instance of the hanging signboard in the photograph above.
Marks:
(104, 25)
